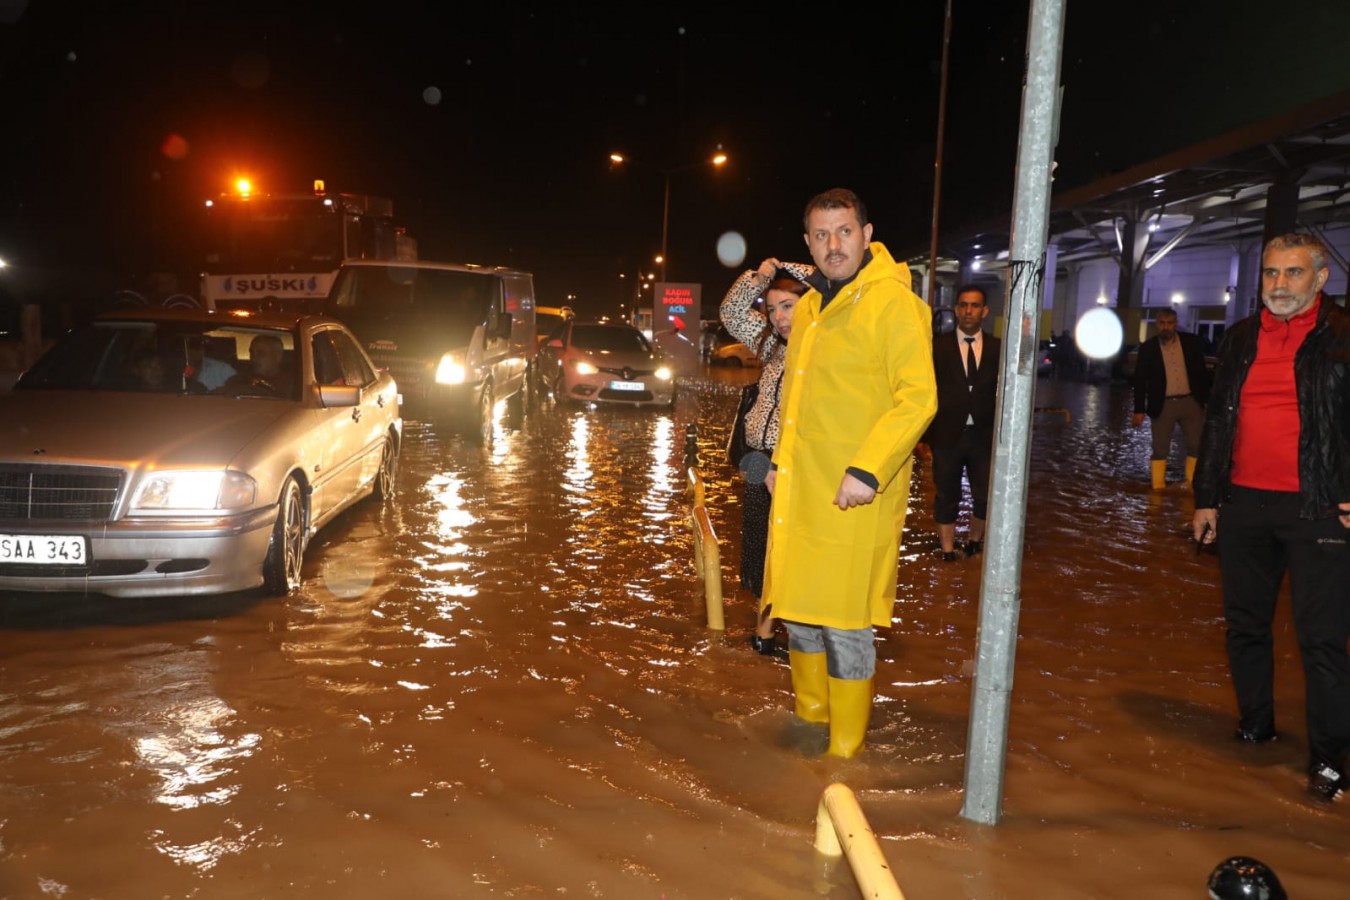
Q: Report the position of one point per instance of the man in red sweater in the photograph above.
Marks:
(1274, 471)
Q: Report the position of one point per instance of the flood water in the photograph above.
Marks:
(502, 685)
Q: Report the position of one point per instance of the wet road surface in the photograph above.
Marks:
(501, 685)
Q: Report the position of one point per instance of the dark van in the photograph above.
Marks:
(457, 338)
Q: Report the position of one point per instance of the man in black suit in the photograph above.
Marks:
(1171, 386)
(961, 435)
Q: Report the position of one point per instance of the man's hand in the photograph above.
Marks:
(1345, 514)
(770, 478)
(1137, 420)
(1205, 525)
(853, 492)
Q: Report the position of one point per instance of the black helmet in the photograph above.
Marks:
(1244, 878)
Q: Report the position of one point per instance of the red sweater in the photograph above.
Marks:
(1265, 450)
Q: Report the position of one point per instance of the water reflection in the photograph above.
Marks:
(578, 473)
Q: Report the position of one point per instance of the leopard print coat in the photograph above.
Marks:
(751, 327)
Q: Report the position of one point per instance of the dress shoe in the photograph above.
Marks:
(766, 646)
(974, 548)
(1255, 735)
(1325, 782)
(949, 556)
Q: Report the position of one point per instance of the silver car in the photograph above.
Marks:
(596, 362)
(176, 452)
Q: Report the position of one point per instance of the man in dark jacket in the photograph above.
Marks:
(1170, 385)
(1274, 470)
(961, 435)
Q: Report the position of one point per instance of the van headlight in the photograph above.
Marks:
(664, 373)
(450, 370)
(227, 490)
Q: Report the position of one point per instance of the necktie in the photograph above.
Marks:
(970, 361)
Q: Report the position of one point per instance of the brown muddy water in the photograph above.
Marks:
(502, 685)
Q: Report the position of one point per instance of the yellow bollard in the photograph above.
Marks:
(842, 829)
(707, 558)
(711, 569)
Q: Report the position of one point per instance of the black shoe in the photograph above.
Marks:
(1255, 735)
(974, 548)
(949, 556)
(765, 646)
(1325, 782)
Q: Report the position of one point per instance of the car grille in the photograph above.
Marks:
(407, 372)
(627, 374)
(630, 396)
(58, 492)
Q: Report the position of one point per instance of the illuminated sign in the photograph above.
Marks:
(678, 305)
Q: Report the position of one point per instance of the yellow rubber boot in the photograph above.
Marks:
(850, 708)
(1190, 469)
(1159, 467)
(811, 686)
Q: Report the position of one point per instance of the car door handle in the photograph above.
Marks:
(356, 414)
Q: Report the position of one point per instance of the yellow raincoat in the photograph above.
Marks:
(858, 391)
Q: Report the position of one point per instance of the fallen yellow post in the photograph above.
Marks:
(842, 829)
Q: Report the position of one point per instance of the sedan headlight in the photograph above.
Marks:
(585, 368)
(664, 373)
(196, 490)
(450, 371)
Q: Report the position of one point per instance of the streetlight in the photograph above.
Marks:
(716, 160)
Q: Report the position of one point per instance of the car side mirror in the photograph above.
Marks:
(556, 343)
(337, 396)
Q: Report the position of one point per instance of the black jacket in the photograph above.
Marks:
(956, 401)
(1322, 380)
(1150, 374)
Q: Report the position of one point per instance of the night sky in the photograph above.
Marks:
(489, 127)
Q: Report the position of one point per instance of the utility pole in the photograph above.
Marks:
(1000, 599)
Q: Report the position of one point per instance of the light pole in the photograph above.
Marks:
(716, 160)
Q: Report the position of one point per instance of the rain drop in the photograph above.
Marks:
(731, 249)
(1098, 333)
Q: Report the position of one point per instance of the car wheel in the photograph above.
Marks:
(481, 426)
(286, 553)
(384, 478)
(516, 403)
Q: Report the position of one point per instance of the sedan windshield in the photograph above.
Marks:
(170, 358)
(608, 338)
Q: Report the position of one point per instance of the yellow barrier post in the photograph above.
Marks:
(712, 569)
(842, 829)
(707, 558)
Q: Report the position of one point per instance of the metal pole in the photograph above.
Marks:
(937, 163)
(991, 694)
(665, 227)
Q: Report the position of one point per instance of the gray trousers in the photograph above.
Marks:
(849, 655)
(1183, 411)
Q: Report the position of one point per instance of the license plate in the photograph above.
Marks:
(627, 386)
(43, 549)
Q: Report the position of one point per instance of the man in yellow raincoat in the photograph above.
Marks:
(858, 392)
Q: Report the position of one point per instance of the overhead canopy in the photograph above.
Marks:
(1216, 192)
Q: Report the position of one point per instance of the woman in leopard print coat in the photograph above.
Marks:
(766, 333)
